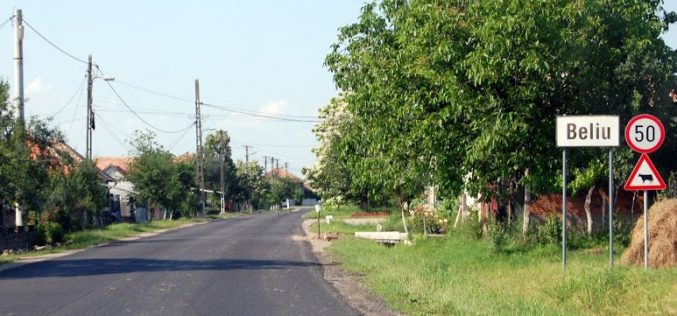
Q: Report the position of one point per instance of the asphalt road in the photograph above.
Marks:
(241, 266)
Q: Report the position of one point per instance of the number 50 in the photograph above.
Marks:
(643, 133)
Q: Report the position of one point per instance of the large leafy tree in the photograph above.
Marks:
(442, 90)
(153, 172)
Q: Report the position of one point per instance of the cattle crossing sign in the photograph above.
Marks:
(644, 176)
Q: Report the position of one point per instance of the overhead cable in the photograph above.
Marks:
(144, 121)
(54, 45)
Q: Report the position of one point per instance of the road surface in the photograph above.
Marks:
(242, 266)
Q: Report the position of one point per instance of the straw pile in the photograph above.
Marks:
(662, 237)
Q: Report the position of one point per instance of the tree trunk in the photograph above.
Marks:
(509, 212)
(588, 214)
(484, 213)
(526, 209)
(400, 203)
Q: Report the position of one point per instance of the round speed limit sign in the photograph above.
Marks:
(645, 133)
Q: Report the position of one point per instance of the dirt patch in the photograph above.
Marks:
(662, 237)
(347, 284)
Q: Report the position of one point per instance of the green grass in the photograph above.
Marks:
(339, 213)
(110, 233)
(457, 275)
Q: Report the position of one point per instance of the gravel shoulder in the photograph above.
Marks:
(349, 285)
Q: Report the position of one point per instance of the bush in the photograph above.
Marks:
(471, 226)
(550, 232)
(50, 233)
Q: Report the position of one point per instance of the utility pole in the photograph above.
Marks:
(286, 167)
(19, 66)
(19, 92)
(90, 113)
(221, 158)
(246, 150)
(265, 164)
(199, 152)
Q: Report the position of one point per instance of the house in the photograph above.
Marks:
(121, 190)
(309, 196)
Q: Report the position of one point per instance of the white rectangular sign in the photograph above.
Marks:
(588, 131)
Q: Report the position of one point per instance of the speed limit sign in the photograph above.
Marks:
(645, 133)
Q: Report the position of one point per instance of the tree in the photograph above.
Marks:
(152, 172)
(217, 148)
(76, 196)
(439, 91)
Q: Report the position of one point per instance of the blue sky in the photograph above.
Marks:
(264, 56)
(256, 55)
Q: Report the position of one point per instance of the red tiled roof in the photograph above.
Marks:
(121, 163)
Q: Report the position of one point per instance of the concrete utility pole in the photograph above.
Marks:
(199, 152)
(18, 91)
(19, 66)
(246, 150)
(221, 158)
(286, 167)
(265, 164)
(90, 113)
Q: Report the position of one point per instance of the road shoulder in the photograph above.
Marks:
(347, 284)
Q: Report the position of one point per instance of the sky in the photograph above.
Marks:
(258, 56)
(255, 56)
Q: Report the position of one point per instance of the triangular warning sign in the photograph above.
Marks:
(644, 176)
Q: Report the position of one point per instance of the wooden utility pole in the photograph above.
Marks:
(199, 151)
(90, 113)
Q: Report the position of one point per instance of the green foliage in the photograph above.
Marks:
(550, 232)
(158, 179)
(434, 91)
(461, 276)
(76, 197)
(50, 233)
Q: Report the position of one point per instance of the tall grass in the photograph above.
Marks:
(460, 275)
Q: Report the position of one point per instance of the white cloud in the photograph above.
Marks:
(274, 107)
(37, 86)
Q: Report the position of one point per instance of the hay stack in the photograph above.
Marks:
(662, 237)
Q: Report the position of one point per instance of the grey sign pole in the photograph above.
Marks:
(646, 230)
(611, 208)
(564, 209)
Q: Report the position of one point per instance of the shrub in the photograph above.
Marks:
(50, 233)
(550, 232)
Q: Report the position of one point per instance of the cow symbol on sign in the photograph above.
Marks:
(646, 177)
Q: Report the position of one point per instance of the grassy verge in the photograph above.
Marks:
(339, 213)
(110, 233)
(458, 275)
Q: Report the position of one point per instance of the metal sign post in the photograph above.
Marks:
(586, 131)
(564, 209)
(611, 208)
(646, 230)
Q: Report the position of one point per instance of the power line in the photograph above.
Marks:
(78, 90)
(179, 139)
(286, 117)
(153, 92)
(261, 115)
(6, 21)
(141, 119)
(53, 45)
(109, 130)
